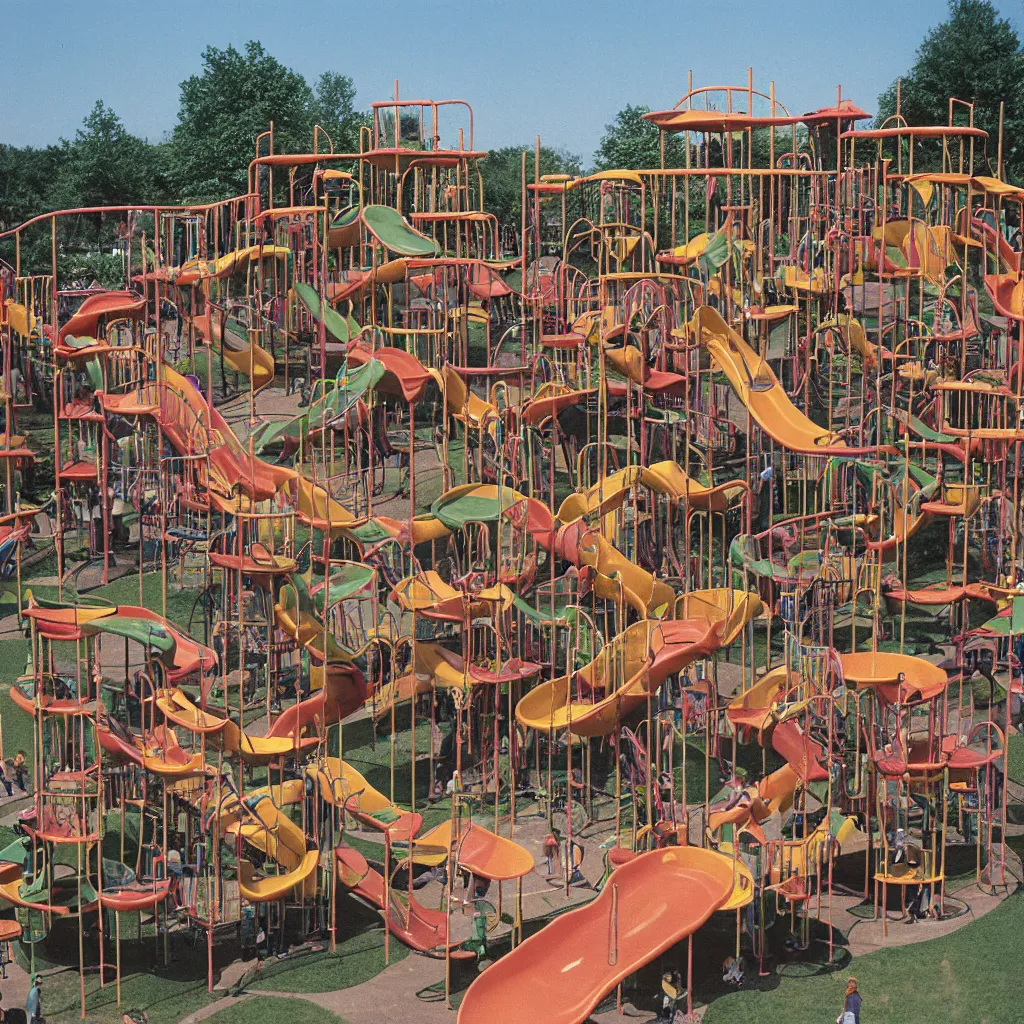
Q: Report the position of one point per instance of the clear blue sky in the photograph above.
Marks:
(560, 68)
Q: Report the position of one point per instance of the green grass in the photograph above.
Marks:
(125, 590)
(1015, 763)
(17, 726)
(167, 994)
(962, 977)
(358, 958)
(273, 1010)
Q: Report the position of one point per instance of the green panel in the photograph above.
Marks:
(392, 230)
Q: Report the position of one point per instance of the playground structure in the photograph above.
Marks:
(658, 470)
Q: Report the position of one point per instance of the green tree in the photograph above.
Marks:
(333, 108)
(631, 142)
(27, 180)
(224, 108)
(27, 177)
(501, 170)
(106, 165)
(976, 56)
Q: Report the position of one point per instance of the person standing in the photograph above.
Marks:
(851, 1004)
(33, 1005)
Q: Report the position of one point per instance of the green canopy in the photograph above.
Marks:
(341, 328)
(716, 253)
(394, 232)
(150, 634)
(334, 403)
(369, 533)
(345, 217)
(16, 852)
(346, 581)
(460, 509)
(1011, 625)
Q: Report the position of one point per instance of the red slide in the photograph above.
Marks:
(802, 753)
(415, 925)
(560, 974)
(344, 692)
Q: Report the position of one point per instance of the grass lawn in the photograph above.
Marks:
(167, 994)
(357, 959)
(964, 977)
(273, 1010)
(17, 726)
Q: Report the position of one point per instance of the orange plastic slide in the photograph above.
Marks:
(194, 428)
(758, 388)
(629, 668)
(560, 974)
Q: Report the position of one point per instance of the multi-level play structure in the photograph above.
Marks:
(694, 468)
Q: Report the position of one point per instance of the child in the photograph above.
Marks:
(851, 1004)
(671, 992)
(733, 971)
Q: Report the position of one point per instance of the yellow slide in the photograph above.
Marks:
(243, 356)
(254, 362)
(293, 612)
(619, 668)
(472, 411)
(666, 478)
(224, 734)
(264, 825)
(753, 707)
(341, 785)
(758, 388)
(729, 610)
(272, 888)
(319, 510)
(619, 577)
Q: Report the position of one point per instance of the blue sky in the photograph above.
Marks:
(560, 68)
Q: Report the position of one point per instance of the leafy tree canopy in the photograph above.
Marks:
(975, 56)
(333, 108)
(224, 108)
(502, 174)
(630, 141)
(105, 165)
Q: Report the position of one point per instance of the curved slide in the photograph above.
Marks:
(272, 888)
(394, 232)
(243, 356)
(263, 823)
(758, 388)
(224, 734)
(561, 974)
(628, 670)
(413, 924)
(618, 577)
(193, 428)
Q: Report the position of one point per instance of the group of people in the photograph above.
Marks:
(673, 994)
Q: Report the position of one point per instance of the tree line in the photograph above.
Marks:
(974, 55)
